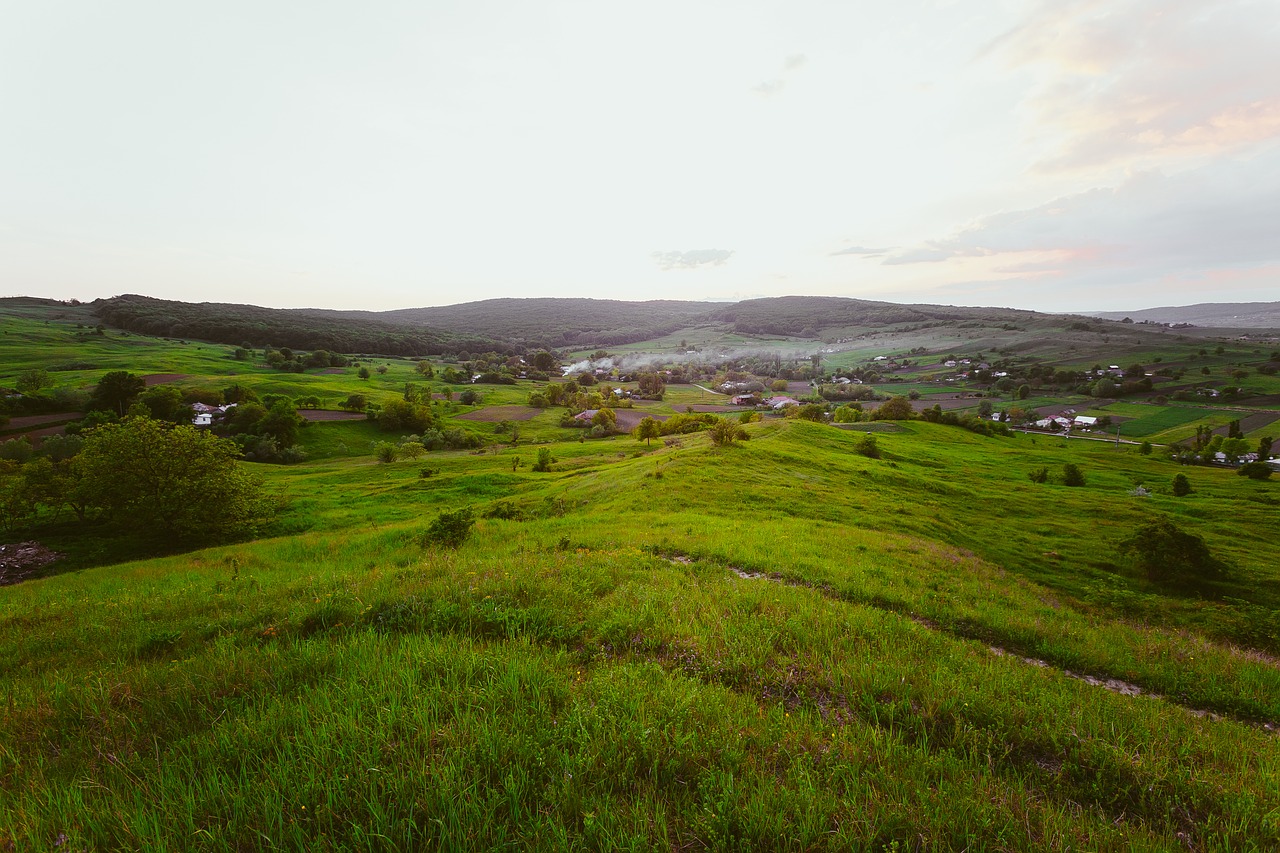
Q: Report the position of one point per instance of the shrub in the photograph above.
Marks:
(867, 446)
(450, 529)
(385, 452)
(1072, 475)
(1165, 553)
(1145, 448)
(1039, 475)
(544, 460)
(724, 431)
(1254, 471)
(1181, 485)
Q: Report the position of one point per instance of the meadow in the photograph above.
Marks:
(781, 644)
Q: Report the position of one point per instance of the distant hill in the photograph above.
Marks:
(1221, 315)
(520, 325)
(549, 322)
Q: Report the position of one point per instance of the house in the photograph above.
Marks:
(1086, 421)
(780, 403)
(949, 363)
(202, 419)
(881, 358)
(586, 415)
(744, 400)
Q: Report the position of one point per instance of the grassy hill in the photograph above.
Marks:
(779, 644)
(1223, 315)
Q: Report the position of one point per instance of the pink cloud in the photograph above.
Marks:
(1148, 81)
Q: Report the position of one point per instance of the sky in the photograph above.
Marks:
(1068, 155)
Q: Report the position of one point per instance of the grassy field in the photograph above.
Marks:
(781, 644)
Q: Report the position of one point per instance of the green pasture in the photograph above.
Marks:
(780, 644)
(594, 673)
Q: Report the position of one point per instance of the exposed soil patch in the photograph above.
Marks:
(1249, 423)
(329, 415)
(161, 378)
(35, 436)
(28, 421)
(720, 409)
(493, 414)
(628, 419)
(22, 560)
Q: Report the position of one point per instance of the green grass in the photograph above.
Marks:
(1160, 420)
(595, 673)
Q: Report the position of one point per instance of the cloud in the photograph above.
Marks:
(1147, 82)
(790, 66)
(692, 258)
(862, 251)
(1147, 228)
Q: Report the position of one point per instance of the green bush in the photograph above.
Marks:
(1181, 485)
(1039, 475)
(867, 446)
(1165, 553)
(544, 460)
(1254, 471)
(450, 529)
(1072, 475)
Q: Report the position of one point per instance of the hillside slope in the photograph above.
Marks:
(1222, 315)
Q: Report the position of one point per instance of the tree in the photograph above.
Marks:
(894, 409)
(33, 381)
(355, 403)
(165, 403)
(724, 431)
(1264, 447)
(116, 391)
(1024, 391)
(647, 430)
(605, 418)
(1072, 475)
(544, 460)
(1181, 485)
(1234, 448)
(1145, 448)
(469, 397)
(779, 385)
(1255, 470)
(544, 361)
(1165, 553)
(363, 373)
(176, 482)
(426, 370)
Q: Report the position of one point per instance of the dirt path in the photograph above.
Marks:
(1115, 685)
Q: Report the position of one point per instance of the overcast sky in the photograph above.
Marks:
(1061, 155)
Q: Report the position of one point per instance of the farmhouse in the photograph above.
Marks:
(780, 403)
(744, 400)
(1086, 421)
(586, 415)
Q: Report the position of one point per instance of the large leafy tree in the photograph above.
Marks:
(172, 481)
(116, 391)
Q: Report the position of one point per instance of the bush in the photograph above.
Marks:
(544, 460)
(1072, 475)
(724, 431)
(867, 446)
(385, 451)
(450, 529)
(1165, 553)
(1254, 471)
(1039, 475)
(1181, 485)
(1145, 448)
